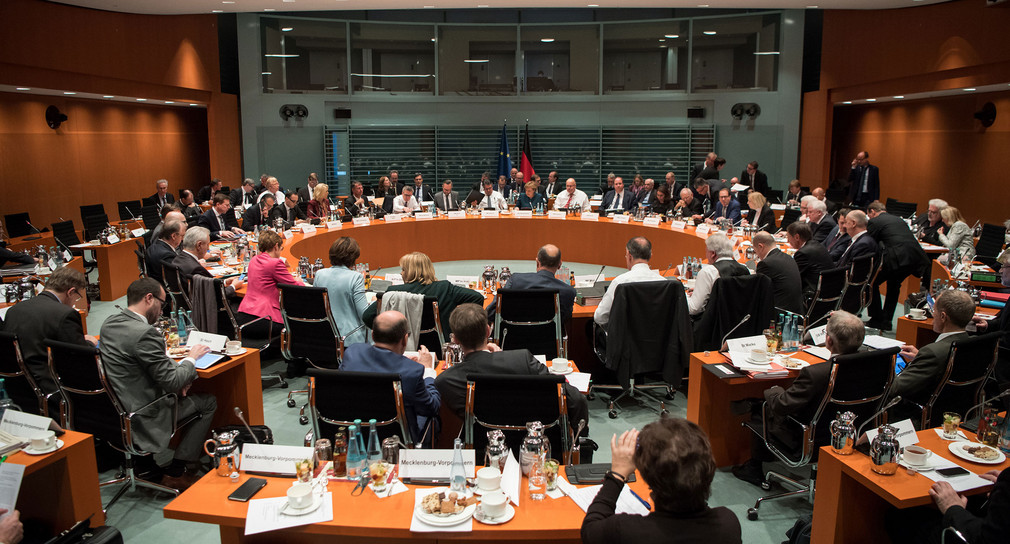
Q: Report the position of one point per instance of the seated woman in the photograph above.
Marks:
(384, 189)
(346, 289)
(662, 203)
(419, 277)
(262, 298)
(637, 186)
(674, 458)
(955, 234)
(319, 206)
(760, 213)
(531, 199)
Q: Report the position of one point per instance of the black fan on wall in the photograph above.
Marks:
(54, 118)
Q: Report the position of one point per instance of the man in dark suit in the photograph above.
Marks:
(244, 196)
(821, 224)
(354, 204)
(194, 249)
(553, 185)
(220, 220)
(697, 169)
(417, 376)
(713, 172)
(618, 198)
(838, 240)
(864, 181)
(901, 256)
(50, 315)
(470, 330)
(290, 211)
(261, 214)
(781, 268)
(726, 208)
(548, 263)
(190, 210)
(811, 257)
(755, 179)
(165, 248)
(207, 192)
(691, 206)
(422, 192)
(446, 200)
(819, 194)
(161, 197)
(862, 243)
(305, 193)
(844, 335)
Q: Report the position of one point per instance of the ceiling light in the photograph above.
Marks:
(269, 9)
(141, 100)
(433, 39)
(227, 2)
(169, 102)
(266, 73)
(847, 102)
(672, 36)
(278, 56)
(547, 40)
(287, 29)
(969, 89)
(289, 1)
(24, 88)
(871, 99)
(766, 52)
(194, 104)
(217, 11)
(108, 96)
(812, 7)
(482, 5)
(592, 5)
(709, 33)
(702, 5)
(429, 7)
(662, 39)
(69, 92)
(475, 60)
(900, 96)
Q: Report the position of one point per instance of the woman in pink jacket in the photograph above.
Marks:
(262, 298)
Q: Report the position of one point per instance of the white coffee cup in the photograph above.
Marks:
(488, 479)
(915, 455)
(917, 313)
(44, 441)
(300, 495)
(759, 355)
(560, 364)
(493, 504)
(232, 346)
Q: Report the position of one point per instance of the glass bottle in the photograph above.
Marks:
(457, 473)
(355, 458)
(535, 447)
(5, 401)
(374, 450)
(340, 453)
(190, 327)
(496, 452)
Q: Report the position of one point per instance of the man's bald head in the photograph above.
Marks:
(549, 258)
(174, 216)
(390, 329)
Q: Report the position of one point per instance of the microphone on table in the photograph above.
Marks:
(731, 331)
(986, 401)
(600, 275)
(238, 412)
(668, 267)
(888, 406)
(37, 231)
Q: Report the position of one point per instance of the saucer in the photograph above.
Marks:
(510, 513)
(766, 362)
(927, 465)
(552, 371)
(239, 351)
(32, 451)
(478, 491)
(909, 317)
(289, 510)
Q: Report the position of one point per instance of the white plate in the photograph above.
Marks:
(31, 451)
(447, 520)
(552, 371)
(928, 465)
(957, 448)
(800, 362)
(288, 510)
(510, 513)
(909, 316)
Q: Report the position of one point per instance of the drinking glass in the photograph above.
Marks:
(951, 421)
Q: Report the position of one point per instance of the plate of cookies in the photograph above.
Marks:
(445, 508)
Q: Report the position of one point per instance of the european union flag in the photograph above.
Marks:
(504, 158)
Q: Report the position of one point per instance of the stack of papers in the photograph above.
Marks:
(265, 515)
(583, 497)
(879, 342)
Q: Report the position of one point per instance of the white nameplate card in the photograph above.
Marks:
(213, 341)
(523, 213)
(702, 229)
(361, 221)
(432, 463)
(331, 225)
(744, 345)
(370, 198)
(25, 425)
(906, 433)
(67, 256)
(423, 216)
(457, 214)
(462, 281)
(288, 234)
(678, 225)
(590, 216)
(819, 335)
(650, 222)
(394, 217)
(554, 214)
(113, 239)
(619, 218)
(489, 213)
(777, 206)
(273, 459)
(137, 233)
(52, 264)
(308, 229)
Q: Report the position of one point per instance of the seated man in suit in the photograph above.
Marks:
(571, 197)
(161, 196)
(648, 193)
(492, 200)
(470, 330)
(417, 374)
(688, 205)
(406, 203)
(357, 202)
(781, 268)
(190, 210)
(446, 201)
(820, 194)
(900, 257)
(811, 257)
(422, 192)
(952, 313)
(17, 257)
(862, 243)
(260, 215)
(726, 209)
(838, 240)
(245, 196)
(207, 192)
(140, 371)
(821, 224)
(220, 220)
(169, 212)
(795, 193)
(291, 212)
(637, 253)
(195, 244)
(718, 252)
(165, 249)
(618, 198)
(844, 335)
(1000, 323)
(548, 263)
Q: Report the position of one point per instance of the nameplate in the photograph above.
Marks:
(744, 345)
(489, 213)
(113, 239)
(272, 458)
(678, 225)
(457, 214)
(67, 256)
(137, 233)
(52, 264)
(905, 433)
(462, 281)
(331, 225)
(308, 229)
(215, 342)
(394, 217)
(590, 216)
(288, 235)
(361, 221)
(433, 463)
(621, 218)
(819, 335)
(777, 206)
(370, 198)
(651, 222)
(523, 213)
(423, 216)
(24, 425)
(702, 229)
(555, 215)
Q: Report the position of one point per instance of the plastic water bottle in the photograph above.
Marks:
(457, 473)
(5, 401)
(374, 450)
(355, 456)
(181, 329)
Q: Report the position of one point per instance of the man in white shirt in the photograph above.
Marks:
(272, 186)
(571, 197)
(718, 252)
(492, 199)
(637, 253)
(406, 203)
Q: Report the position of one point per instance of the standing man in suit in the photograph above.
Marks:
(787, 283)
(207, 192)
(861, 244)
(901, 256)
(50, 315)
(709, 162)
(140, 371)
(161, 196)
(726, 208)
(712, 173)
(305, 193)
(470, 330)
(618, 198)
(417, 374)
(548, 262)
(864, 180)
(704, 196)
(811, 257)
(754, 178)
(244, 196)
(553, 185)
(220, 220)
(446, 200)
(165, 248)
(837, 241)
(820, 222)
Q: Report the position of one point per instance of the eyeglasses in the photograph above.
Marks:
(161, 300)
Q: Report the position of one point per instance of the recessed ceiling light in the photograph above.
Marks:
(969, 89)
(847, 102)
(429, 7)
(141, 100)
(24, 88)
(69, 92)
(217, 11)
(592, 5)
(108, 96)
(475, 60)
(279, 56)
(871, 99)
(899, 96)
(169, 102)
(433, 39)
(482, 5)
(269, 9)
(547, 40)
(672, 36)
(709, 33)
(702, 5)
(266, 73)
(289, 1)
(194, 104)
(812, 7)
(662, 39)
(287, 29)
(227, 2)
(766, 52)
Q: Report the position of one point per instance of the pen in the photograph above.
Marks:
(640, 499)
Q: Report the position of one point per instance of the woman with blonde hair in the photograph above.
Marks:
(319, 206)
(955, 235)
(760, 213)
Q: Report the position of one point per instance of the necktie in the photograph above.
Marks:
(617, 203)
(220, 222)
(568, 202)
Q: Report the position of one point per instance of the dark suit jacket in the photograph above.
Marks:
(157, 255)
(441, 204)
(238, 198)
(451, 383)
(423, 194)
(760, 181)
(786, 282)
(696, 171)
(800, 401)
(548, 191)
(856, 193)
(253, 217)
(929, 233)
(352, 209)
(901, 254)
(837, 247)
(994, 525)
(628, 200)
(420, 397)
(821, 230)
(811, 260)
(210, 222)
(766, 219)
(449, 296)
(864, 245)
(189, 266)
(153, 199)
(732, 211)
(204, 194)
(303, 194)
(923, 373)
(541, 279)
(295, 212)
(39, 318)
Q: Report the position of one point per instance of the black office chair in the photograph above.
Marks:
(18, 224)
(18, 381)
(491, 404)
(95, 224)
(899, 208)
(89, 404)
(990, 244)
(228, 324)
(827, 297)
(141, 257)
(858, 384)
(66, 237)
(151, 216)
(789, 216)
(175, 286)
(530, 319)
(730, 301)
(338, 397)
(774, 195)
(129, 209)
(856, 296)
(431, 334)
(90, 210)
(969, 365)
(649, 334)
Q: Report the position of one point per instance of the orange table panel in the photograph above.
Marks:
(117, 268)
(920, 333)
(236, 382)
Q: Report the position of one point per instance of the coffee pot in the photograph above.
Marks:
(225, 452)
(843, 433)
(884, 451)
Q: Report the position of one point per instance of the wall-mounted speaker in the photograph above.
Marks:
(987, 115)
(288, 111)
(695, 113)
(54, 118)
(342, 113)
(749, 109)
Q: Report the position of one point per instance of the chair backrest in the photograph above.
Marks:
(151, 216)
(338, 397)
(309, 329)
(171, 276)
(789, 216)
(91, 209)
(970, 363)
(17, 224)
(65, 233)
(129, 209)
(901, 209)
(990, 242)
(491, 404)
(827, 297)
(730, 300)
(856, 295)
(530, 319)
(141, 257)
(430, 335)
(774, 195)
(18, 382)
(94, 224)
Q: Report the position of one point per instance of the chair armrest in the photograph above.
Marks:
(128, 417)
(354, 330)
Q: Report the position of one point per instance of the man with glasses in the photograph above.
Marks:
(50, 315)
(291, 212)
(140, 371)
